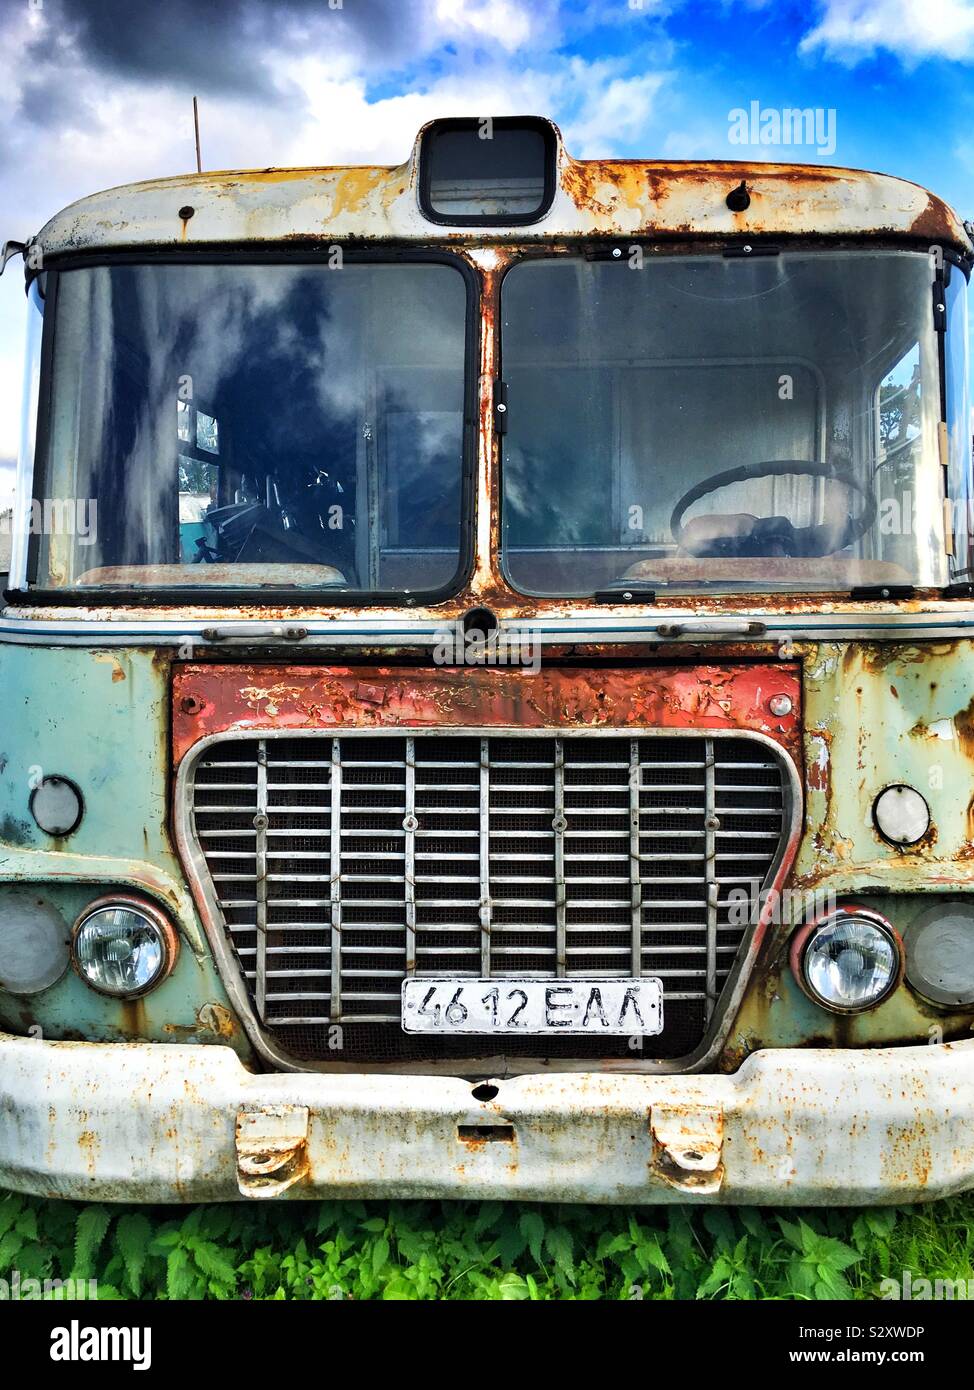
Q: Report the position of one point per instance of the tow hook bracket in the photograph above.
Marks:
(272, 1149)
(688, 1146)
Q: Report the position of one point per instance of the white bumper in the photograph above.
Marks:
(158, 1122)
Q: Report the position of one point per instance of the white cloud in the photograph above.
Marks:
(697, 143)
(102, 126)
(599, 109)
(913, 29)
(608, 109)
(504, 22)
(341, 125)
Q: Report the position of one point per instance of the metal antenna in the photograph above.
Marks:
(196, 124)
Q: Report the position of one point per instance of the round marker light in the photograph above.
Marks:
(940, 954)
(847, 961)
(780, 705)
(33, 944)
(901, 815)
(56, 805)
(123, 946)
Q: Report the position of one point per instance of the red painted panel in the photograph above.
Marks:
(210, 699)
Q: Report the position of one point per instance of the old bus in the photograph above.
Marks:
(487, 685)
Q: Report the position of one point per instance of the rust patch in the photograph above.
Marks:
(687, 1151)
(935, 222)
(819, 769)
(212, 1020)
(964, 726)
(479, 1135)
(89, 1146)
(133, 1018)
(251, 698)
(272, 1149)
(908, 1160)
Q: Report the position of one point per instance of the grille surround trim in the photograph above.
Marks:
(268, 1046)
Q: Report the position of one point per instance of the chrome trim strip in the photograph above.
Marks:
(260, 910)
(409, 825)
(711, 884)
(720, 1024)
(559, 825)
(891, 624)
(335, 871)
(485, 904)
(635, 880)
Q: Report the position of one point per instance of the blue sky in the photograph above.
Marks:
(99, 91)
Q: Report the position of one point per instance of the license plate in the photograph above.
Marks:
(594, 1008)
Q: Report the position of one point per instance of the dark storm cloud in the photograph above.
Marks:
(223, 45)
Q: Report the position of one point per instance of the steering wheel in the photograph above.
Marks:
(740, 534)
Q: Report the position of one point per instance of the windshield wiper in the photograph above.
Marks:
(872, 591)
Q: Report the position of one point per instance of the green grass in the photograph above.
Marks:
(482, 1250)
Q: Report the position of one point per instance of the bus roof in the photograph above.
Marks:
(593, 198)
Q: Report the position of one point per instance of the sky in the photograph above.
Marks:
(99, 92)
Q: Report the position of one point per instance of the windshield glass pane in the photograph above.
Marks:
(257, 426)
(693, 423)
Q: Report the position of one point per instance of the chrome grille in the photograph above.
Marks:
(342, 863)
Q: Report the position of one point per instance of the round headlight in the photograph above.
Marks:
(123, 946)
(901, 815)
(56, 805)
(940, 954)
(849, 960)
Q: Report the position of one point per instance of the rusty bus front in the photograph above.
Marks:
(487, 682)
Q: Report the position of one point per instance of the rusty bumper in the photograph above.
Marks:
(158, 1122)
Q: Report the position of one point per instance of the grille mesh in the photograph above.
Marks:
(340, 864)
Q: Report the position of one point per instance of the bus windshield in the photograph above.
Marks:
(737, 422)
(257, 426)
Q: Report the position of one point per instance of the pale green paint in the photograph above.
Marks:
(100, 718)
(877, 714)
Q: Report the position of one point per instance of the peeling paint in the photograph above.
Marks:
(790, 1127)
(594, 197)
(245, 698)
(802, 1106)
